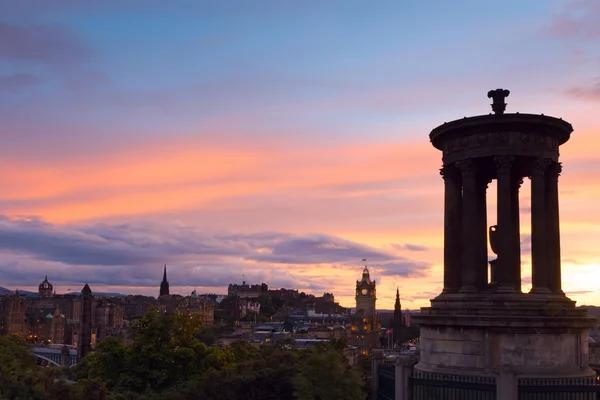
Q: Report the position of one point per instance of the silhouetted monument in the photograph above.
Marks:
(85, 341)
(166, 303)
(482, 324)
(398, 325)
(164, 285)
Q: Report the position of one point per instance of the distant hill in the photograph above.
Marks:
(104, 294)
(6, 292)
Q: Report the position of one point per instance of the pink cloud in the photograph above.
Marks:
(191, 176)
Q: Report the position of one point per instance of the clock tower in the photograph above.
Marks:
(365, 328)
(365, 297)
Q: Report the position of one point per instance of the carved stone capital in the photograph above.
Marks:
(450, 173)
(539, 166)
(553, 171)
(504, 164)
(555, 168)
(467, 167)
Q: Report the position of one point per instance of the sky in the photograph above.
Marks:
(274, 141)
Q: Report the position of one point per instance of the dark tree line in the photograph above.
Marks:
(164, 357)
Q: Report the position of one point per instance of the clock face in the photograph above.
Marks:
(364, 291)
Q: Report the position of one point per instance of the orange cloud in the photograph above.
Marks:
(186, 177)
(376, 194)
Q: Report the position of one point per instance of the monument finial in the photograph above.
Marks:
(498, 95)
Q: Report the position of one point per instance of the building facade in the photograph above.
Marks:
(52, 318)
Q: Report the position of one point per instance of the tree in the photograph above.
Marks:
(165, 359)
(61, 390)
(108, 362)
(339, 344)
(264, 374)
(20, 378)
(90, 389)
(164, 352)
(326, 375)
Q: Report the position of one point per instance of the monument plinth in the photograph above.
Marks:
(482, 323)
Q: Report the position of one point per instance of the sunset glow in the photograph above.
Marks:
(276, 142)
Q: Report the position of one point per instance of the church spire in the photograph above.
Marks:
(164, 285)
(397, 307)
(398, 323)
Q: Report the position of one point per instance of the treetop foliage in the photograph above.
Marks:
(165, 358)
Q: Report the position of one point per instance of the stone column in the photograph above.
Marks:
(506, 231)
(507, 384)
(470, 252)
(452, 228)
(403, 369)
(481, 234)
(516, 246)
(85, 323)
(553, 228)
(376, 360)
(539, 234)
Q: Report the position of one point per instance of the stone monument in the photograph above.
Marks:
(482, 324)
(85, 324)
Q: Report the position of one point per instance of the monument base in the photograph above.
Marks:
(530, 335)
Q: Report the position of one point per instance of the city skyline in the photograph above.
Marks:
(276, 143)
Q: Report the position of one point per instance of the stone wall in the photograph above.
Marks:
(483, 351)
(544, 351)
(445, 346)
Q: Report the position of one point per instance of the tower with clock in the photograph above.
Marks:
(366, 297)
(365, 328)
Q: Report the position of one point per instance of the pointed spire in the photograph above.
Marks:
(397, 307)
(86, 289)
(46, 278)
(164, 285)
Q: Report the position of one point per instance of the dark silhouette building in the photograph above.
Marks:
(164, 285)
(45, 288)
(166, 301)
(398, 325)
(397, 306)
(85, 339)
(56, 318)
